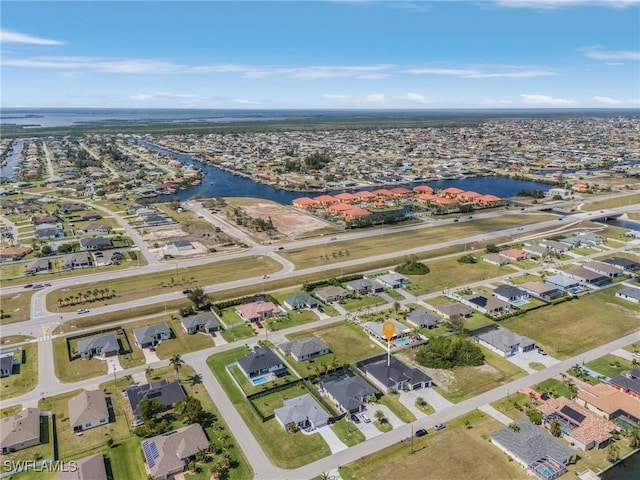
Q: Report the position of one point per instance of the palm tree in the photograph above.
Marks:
(514, 426)
(379, 416)
(634, 437)
(176, 362)
(555, 429)
(613, 453)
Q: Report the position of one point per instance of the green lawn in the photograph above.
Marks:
(393, 403)
(76, 370)
(348, 342)
(297, 317)
(394, 294)
(25, 378)
(353, 304)
(17, 306)
(552, 385)
(348, 433)
(230, 316)
(560, 329)
(610, 365)
(513, 406)
(238, 333)
(283, 449)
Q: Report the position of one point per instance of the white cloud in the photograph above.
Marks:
(489, 101)
(7, 36)
(499, 72)
(598, 53)
(534, 99)
(166, 95)
(334, 96)
(244, 101)
(375, 98)
(606, 100)
(328, 71)
(414, 97)
(555, 4)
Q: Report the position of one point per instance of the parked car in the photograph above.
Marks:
(439, 426)
(82, 310)
(541, 351)
(456, 219)
(280, 248)
(365, 418)
(354, 418)
(636, 355)
(333, 238)
(187, 291)
(28, 285)
(38, 285)
(421, 432)
(258, 324)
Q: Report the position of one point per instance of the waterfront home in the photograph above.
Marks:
(423, 189)
(298, 301)
(331, 294)
(496, 259)
(542, 290)
(261, 361)
(628, 383)
(631, 294)
(451, 192)
(167, 394)
(303, 413)
(103, 346)
(345, 197)
(304, 349)
(488, 201)
(581, 427)
(469, 197)
(87, 468)
(394, 377)
(602, 268)
(305, 203)
(325, 200)
(151, 335)
(88, 410)
(610, 403)
(169, 453)
(203, 322)
(355, 213)
(348, 393)
(559, 192)
(505, 342)
(20, 431)
(256, 311)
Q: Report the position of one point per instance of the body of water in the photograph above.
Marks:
(629, 469)
(220, 183)
(12, 161)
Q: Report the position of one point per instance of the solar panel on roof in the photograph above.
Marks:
(150, 453)
(571, 413)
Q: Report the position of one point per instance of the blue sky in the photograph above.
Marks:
(321, 54)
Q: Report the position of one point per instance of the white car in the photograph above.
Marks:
(365, 418)
(81, 311)
(636, 355)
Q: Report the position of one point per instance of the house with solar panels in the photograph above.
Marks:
(170, 453)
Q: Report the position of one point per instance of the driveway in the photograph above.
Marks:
(113, 364)
(332, 439)
(523, 360)
(149, 356)
(622, 353)
(433, 398)
(393, 420)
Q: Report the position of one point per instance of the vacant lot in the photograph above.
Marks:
(566, 329)
(17, 307)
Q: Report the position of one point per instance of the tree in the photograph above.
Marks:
(149, 408)
(492, 248)
(613, 453)
(379, 415)
(555, 429)
(176, 362)
(634, 437)
(45, 250)
(449, 352)
(198, 297)
(456, 322)
(514, 426)
(535, 416)
(189, 410)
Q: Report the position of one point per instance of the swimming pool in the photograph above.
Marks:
(575, 289)
(259, 380)
(519, 303)
(402, 341)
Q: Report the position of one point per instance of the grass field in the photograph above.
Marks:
(293, 318)
(283, 449)
(400, 411)
(560, 329)
(353, 304)
(612, 203)
(554, 386)
(141, 286)
(76, 370)
(17, 306)
(439, 456)
(610, 365)
(26, 378)
(512, 405)
(347, 342)
(238, 333)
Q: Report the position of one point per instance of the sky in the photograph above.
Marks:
(321, 54)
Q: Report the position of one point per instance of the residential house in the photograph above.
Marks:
(102, 346)
(151, 335)
(76, 260)
(556, 247)
(394, 377)
(87, 468)
(629, 293)
(260, 362)
(628, 383)
(392, 280)
(44, 220)
(48, 231)
(610, 403)
(364, 286)
(6, 364)
(562, 282)
(331, 294)
(510, 294)
(304, 203)
(299, 301)
(95, 243)
(515, 254)
(529, 444)
(542, 290)
(256, 311)
(167, 394)
(537, 250)
(505, 342)
(448, 310)
(38, 265)
(87, 410)
(588, 277)
(304, 412)
(179, 246)
(602, 268)
(90, 216)
(348, 393)
(304, 349)
(20, 431)
(203, 322)
(581, 427)
(170, 453)
(496, 259)
(94, 228)
(421, 318)
(12, 254)
(486, 303)
(624, 264)
(374, 329)
(71, 208)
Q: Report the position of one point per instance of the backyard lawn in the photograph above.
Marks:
(560, 329)
(24, 378)
(76, 370)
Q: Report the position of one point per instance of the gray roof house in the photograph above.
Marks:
(259, 362)
(496, 259)
(448, 310)
(629, 293)
(556, 247)
(374, 329)
(505, 342)
(151, 334)
(304, 411)
(561, 281)
(364, 285)
(95, 243)
(422, 318)
(331, 294)
(76, 260)
(87, 468)
(623, 264)
(485, 303)
(169, 453)
(588, 276)
(104, 346)
(19, 431)
(392, 280)
(297, 301)
(38, 265)
(48, 230)
(349, 393)
(603, 268)
(304, 349)
(394, 377)
(88, 409)
(6, 364)
(166, 394)
(542, 290)
(530, 444)
(510, 294)
(203, 322)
